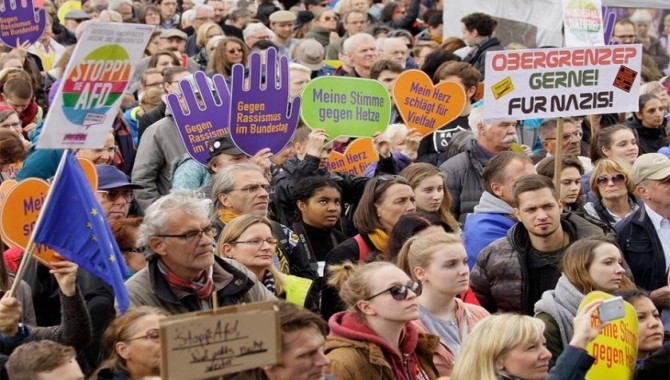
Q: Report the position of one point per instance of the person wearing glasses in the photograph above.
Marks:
(570, 140)
(248, 239)
(183, 272)
(440, 262)
(325, 27)
(374, 338)
(242, 189)
(625, 33)
(115, 192)
(613, 187)
(133, 343)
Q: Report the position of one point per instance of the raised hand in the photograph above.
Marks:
(27, 22)
(199, 117)
(261, 115)
(66, 276)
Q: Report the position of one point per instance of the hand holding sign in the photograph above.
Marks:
(425, 107)
(21, 23)
(203, 119)
(262, 117)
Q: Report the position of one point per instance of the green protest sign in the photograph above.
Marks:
(346, 106)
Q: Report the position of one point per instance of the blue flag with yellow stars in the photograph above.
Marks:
(73, 224)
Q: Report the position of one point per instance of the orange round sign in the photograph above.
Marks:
(19, 214)
(359, 154)
(90, 172)
(424, 107)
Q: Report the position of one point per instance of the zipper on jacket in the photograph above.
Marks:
(405, 366)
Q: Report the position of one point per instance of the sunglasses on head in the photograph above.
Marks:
(616, 179)
(400, 292)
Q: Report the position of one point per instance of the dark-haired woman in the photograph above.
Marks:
(650, 124)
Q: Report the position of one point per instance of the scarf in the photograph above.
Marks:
(226, 215)
(203, 287)
(561, 304)
(269, 282)
(380, 239)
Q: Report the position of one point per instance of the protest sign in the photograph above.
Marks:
(425, 107)
(583, 23)
(5, 188)
(12, 169)
(21, 22)
(197, 125)
(544, 83)
(359, 154)
(344, 106)
(89, 96)
(615, 348)
(261, 115)
(89, 170)
(206, 344)
(19, 214)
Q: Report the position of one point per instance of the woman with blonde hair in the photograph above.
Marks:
(229, 51)
(440, 262)
(430, 191)
(132, 341)
(374, 338)
(593, 263)
(248, 239)
(511, 346)
(613, 187)
(206, 32)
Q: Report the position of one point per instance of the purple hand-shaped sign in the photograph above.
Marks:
(199, 117)
(261, 115)
(609, 19)
(20, 22)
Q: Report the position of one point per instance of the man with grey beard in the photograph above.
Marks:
(464, 170)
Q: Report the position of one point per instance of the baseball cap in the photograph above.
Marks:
(77, 14)
(109, 177)
(223, 145)
(654, 166)
(169, 33)
(310, 53)
(282, 16)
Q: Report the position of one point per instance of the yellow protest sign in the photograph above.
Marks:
(212, 343)
(615, 348)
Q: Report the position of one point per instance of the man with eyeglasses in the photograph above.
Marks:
(354, 21)
(115, 192)
(644, 235)
(394, 49)
(571, 141)
(624, 33)
(183, 272)
(242, 189)
(203, 14)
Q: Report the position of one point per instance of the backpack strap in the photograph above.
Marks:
(363, 249)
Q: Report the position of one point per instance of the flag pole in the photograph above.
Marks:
(30, 247)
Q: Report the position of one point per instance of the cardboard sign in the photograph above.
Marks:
(261, 114)
(344, 106)
(19, 214)
(90, 172)
(89, 96)
(615, 348)
(358, 156)
(207, 344)
(545, 83)
(425, 107)
(20, 22)
(583, 23)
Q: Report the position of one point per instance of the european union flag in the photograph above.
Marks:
(73, 224)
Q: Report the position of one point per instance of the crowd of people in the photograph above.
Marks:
(453, 256)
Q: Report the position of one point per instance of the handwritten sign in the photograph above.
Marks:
(212, 343)
(358, 156)
(19, 214)
(544, 83)
(89, 97)
(344, 106)
(615, 348)
(425, 107)
(583, 23)
(21, 22)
